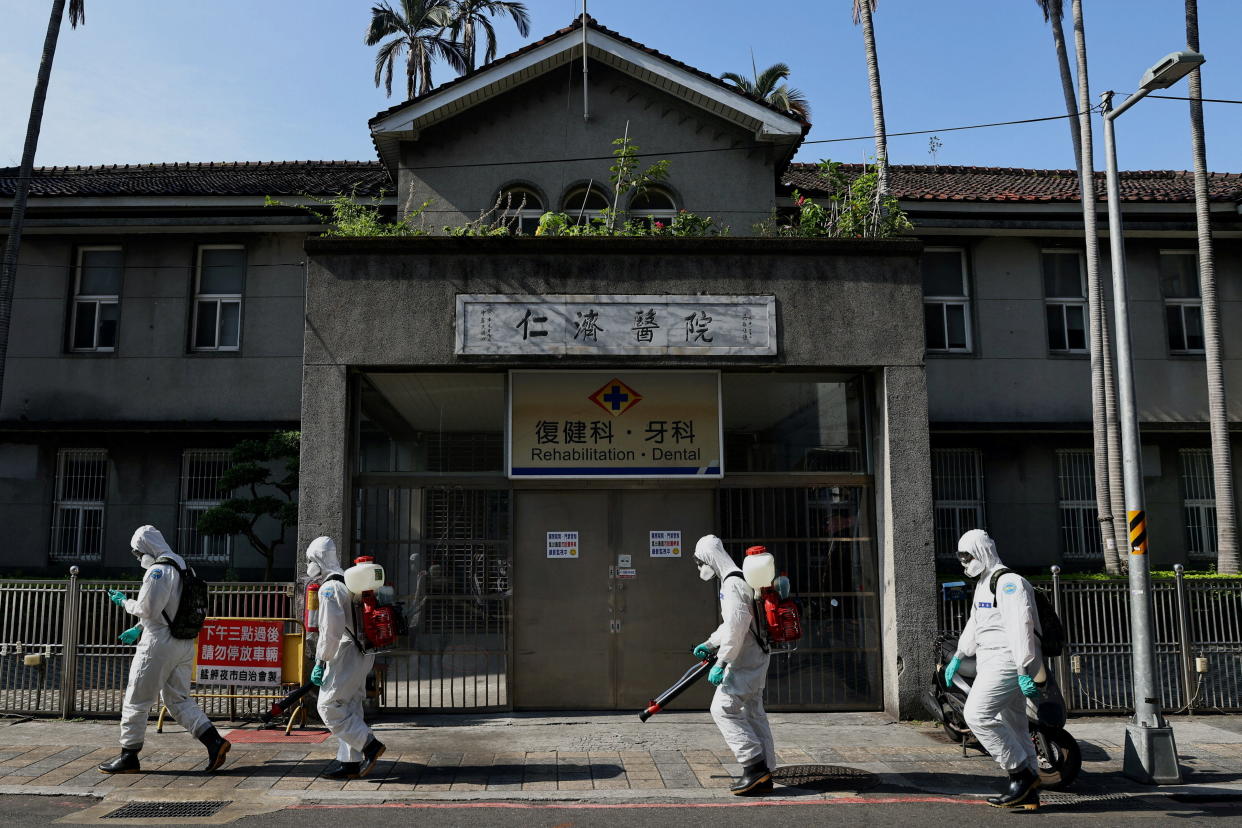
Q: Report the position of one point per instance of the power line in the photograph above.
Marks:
(1205, 100)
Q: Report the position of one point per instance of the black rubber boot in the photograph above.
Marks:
(371, 752)
(127, 762)
(341, 770)
(217, 748)
(756, 779)
(1021, 794)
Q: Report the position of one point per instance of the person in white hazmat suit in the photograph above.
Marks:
(341, 667)
(161, 666)
(1003, 636)
(740, 672)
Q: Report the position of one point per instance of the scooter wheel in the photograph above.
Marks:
(1060, 760)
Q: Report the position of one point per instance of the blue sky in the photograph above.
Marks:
(261, 80)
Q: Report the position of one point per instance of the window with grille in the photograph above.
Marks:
(957, 493)
(1080, 526)
(1183, 307)
(1065, 301)
(218, 283)
(1199, 502)
(946, 300)
(200, 478)
(653, 206)
(78, 513)
(96, 299)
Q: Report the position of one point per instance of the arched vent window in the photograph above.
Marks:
(653, 205)
(583, 203)
(520, 207)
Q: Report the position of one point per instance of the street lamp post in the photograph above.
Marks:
(1151, 752)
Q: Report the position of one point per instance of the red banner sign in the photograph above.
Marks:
(239, 651)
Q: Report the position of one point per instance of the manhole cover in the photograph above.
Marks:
(825, 777)
(157, 810)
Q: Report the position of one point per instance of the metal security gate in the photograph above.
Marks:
(1197, 631)
(823, 536)
(58, 634)
(447, 550)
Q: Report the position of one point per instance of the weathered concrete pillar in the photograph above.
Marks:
(907, 564)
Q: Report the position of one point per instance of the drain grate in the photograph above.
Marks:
(825, 777)
(167, 810)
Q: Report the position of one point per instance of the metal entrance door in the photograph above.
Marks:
(588, 635)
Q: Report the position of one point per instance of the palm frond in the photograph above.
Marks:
(1051, 9)
(743, 83)
(384, 60)
(489, 38)
(768, 78)
(384, 21)
(77, 12)
(791, 100)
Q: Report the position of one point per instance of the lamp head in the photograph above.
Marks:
(1171, 68)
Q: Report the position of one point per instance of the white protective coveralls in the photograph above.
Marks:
(345, 681)
(161, 665)
(1004, 642)
(737, 706)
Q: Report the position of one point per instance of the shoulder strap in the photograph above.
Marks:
(996, 576)
(334, 577)
(734, 574)
(180, 571)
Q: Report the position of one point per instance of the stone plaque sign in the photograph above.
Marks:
(555, 325)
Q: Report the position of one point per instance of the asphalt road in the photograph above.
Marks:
(898, 812)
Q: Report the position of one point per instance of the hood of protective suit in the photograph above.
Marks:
(148, 544)
(710, 552)
(322, 558)
(979, 545)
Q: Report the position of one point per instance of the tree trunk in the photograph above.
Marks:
(424, 70)
(877, 100)
(12, 245)
(1097, 322)
(412, 61)
(1218, 419)
(1067, 86)
(467, 42)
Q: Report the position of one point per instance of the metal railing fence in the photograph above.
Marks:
(1197, 631)
(69, 630)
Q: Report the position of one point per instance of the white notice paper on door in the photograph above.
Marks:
(666, 544)
(562, 544)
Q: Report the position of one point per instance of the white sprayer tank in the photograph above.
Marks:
(364, 576)
(759, 568)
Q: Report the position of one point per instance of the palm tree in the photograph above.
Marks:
(1218, 421)
(12, 245)
(767, 86)
(1054, 13)
(470, 18)
(1109, 497)
(419, 28)
(863, 10)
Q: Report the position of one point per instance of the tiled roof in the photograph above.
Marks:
(593, 24)
(241, 178)
(1012, 184)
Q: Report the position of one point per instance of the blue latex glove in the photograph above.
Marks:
(117, 597)
(131, 635)
(951, 670)
(317, 674)
(782, 587)
(1029, 688)
(716, 676)
(704, 650)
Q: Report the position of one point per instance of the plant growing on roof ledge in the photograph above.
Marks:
(855, 209)
(345, 215)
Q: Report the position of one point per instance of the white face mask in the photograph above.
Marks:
(147, 561)
(313, 570)
(706, 573)
(974, 568)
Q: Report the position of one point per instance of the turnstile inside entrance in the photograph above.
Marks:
(589, 633)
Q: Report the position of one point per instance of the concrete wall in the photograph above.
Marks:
(1012, 377)
(391, 303)
(533, 122)
(153, 376)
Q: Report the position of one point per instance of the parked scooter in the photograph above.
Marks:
(1059, 757)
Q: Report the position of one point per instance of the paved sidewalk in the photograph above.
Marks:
(674, 757)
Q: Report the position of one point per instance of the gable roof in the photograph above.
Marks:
(231, 178)
(1012, 184)
(405, 120)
